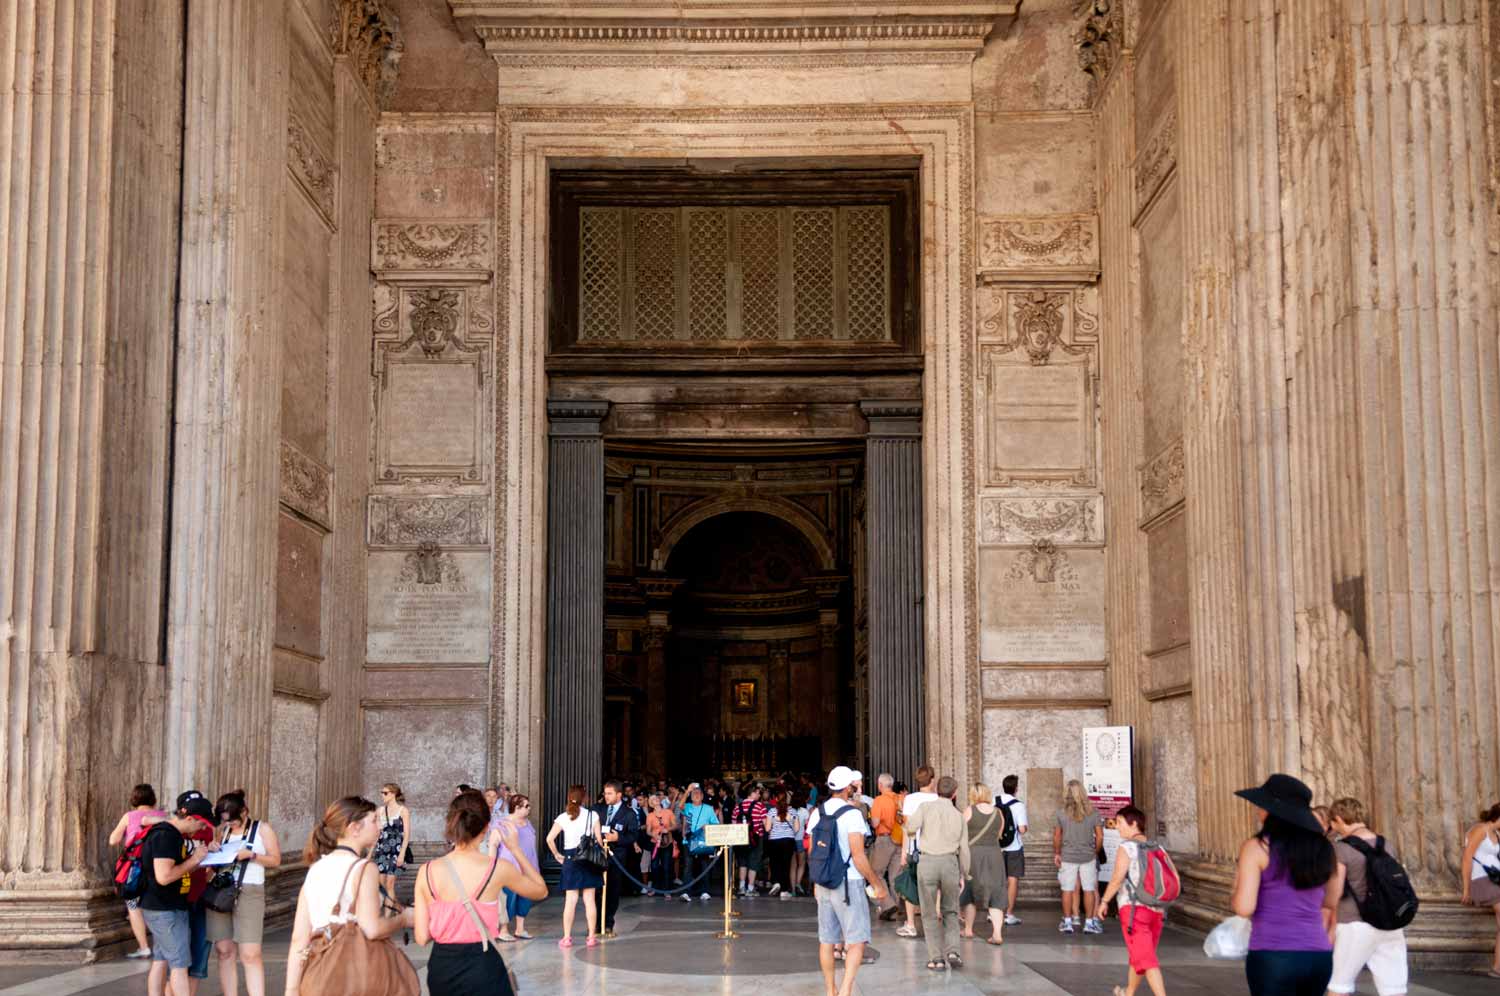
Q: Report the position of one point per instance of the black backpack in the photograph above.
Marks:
(1390, 902)
(1008, 835)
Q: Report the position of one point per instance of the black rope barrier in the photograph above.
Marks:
(668, 892)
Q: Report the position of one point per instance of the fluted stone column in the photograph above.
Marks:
(90, 154)
(226, 456)
(898, 693)
(575, 599)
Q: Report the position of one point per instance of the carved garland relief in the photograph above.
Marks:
(1052, 247)
(306, 485)
(312, 169)
(1162, 482)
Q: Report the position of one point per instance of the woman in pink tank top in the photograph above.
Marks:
(142, 805)
(458, 903)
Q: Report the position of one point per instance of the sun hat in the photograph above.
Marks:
(842, 777)
(1286, 798)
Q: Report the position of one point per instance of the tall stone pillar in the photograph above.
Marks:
(90, 156)
(898, 690)
(228, 401)
(575, 599)
(659, 592)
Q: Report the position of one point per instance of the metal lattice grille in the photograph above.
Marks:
(710, 274)
(600, 275)
(867, 239)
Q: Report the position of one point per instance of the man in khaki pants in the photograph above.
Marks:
(944, 864)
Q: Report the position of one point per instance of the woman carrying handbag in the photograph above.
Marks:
(340, 943)
(458, 903)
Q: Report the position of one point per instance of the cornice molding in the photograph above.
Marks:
(710, 32)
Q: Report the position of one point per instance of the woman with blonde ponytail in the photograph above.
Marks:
(337, 878)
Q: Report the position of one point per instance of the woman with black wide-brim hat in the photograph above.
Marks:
(1284, 884)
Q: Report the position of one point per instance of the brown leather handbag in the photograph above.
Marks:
(342, 961)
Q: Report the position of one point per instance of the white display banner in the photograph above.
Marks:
(1108, 767)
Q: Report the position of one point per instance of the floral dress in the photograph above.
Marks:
(388, 847)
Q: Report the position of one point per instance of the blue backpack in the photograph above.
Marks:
(826, 864)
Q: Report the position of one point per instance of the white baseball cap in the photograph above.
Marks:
(842, 777)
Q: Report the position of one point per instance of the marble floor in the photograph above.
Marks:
(669, 949)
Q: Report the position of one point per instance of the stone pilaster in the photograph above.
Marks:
(228, 401)
(575, 599)
(1120, 422)
(659, 592)
(900, 701)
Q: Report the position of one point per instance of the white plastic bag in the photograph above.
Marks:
(1229, 941)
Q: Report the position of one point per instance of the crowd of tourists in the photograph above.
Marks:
(1321, 892)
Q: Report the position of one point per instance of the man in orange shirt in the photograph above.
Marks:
(885, 855)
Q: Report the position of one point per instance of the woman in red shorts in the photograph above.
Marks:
(1141, 925)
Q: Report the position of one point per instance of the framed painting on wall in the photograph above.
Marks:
(744, 695)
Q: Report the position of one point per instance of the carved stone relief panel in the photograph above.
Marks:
(1039, 390)
(431, 368)
(1026, 520)
(312, 168)
(305, 485)
(449, 520)
(1045, 247)
(1157, 160)
(1162, 482)
(462, 246)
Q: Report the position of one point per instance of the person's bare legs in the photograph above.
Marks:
(229, 973)
(997, 925)
(1012, 885)
(911, 916)
(590, 911)
(854, 954)
(969, 913)
(1496, 965)
(570, 909)
(156, 979)
(138, 928)
(828, 965)
(1090, 899)
(1067, 904)
(255, 969)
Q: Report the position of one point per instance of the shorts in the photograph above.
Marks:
(1141, 927)
(751, 856)
(1073, 875)
(1358, 946)
(841, 921)
(247, 924)
(1015, 863)
(131, 905)
(171, 938)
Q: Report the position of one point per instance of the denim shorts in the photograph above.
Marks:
(840, 921)
(171, 938)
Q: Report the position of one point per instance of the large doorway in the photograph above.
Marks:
(735, 488)
(734, 640)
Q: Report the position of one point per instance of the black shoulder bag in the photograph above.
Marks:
(223, 892)
(590, 851)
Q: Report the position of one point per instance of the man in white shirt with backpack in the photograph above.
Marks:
(1015, 849)
(839, 870)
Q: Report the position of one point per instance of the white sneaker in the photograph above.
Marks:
(785, 896)
(705, 897)
(1092, 926)
(775, 888)
(1011, 919)
(1066, 927)
(139, 953)
(686, 898)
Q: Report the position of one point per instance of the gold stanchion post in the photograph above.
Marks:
(729, 913)
(604, 899)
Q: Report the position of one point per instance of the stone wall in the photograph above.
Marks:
(1042, 562)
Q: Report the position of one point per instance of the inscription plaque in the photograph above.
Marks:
(429, 606)
(1041, 604)
(430, 414)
